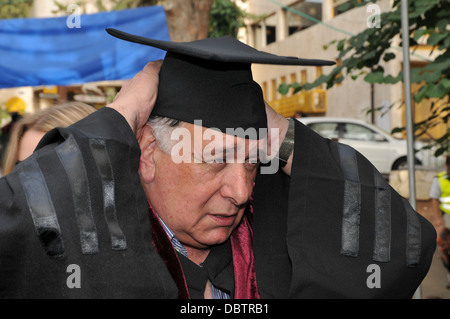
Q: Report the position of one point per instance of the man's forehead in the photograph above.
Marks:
(203, 144)
(227, 139)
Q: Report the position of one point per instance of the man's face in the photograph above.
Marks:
(201, 191)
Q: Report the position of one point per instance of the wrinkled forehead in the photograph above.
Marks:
(214, 138)
(208, 144)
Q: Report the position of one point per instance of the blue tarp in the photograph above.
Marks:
(47, 51)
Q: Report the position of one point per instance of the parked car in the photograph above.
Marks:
(383, 150)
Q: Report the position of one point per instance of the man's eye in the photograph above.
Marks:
(215, 161)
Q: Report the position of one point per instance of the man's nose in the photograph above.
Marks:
(237, 185)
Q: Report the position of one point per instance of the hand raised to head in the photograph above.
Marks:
(137, 97)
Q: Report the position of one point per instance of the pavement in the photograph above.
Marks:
(433, 286)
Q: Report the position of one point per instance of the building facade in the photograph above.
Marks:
(303, 28)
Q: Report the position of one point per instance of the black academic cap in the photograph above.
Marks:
(211, 80)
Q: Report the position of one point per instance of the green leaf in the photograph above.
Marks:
(397, 130)
(431, 76)
(442, 24)
(423, 6)
(297, 87)
(355, 76)
(374, 77)
(340, 45)
(440, 151)
(445, 83)
(435, 38)
(437, 91)
(391, 80)
(284, 88)
(419, 33)
(422, 93)
(446, 43)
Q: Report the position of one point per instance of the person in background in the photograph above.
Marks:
(443, 242)
(5, 133)
(29, 130)
(440, 204)
(440, 198)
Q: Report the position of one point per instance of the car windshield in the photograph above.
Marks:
(346, 130)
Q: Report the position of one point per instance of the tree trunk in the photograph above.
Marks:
(188, 19)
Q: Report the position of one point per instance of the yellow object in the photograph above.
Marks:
(310, 102)
(50, 89)
(445, 192)
(16, 104)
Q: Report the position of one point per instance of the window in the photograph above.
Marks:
(326, 129)
(295, 22)
(349, 131)
(360, 133)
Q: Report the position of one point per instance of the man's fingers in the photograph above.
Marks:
(153, 67)
(137, 97)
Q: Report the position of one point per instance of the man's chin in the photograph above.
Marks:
(218, 237)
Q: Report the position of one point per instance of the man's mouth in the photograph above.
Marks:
(224, 220)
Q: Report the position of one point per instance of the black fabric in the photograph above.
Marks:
(314, 233)
(220, 269)
(211, 80)
(217, 268)
(297, 227)
(27, 271)
(196, 277)
(223, 49)
(273, 265)
(41, 209)
(221, 95)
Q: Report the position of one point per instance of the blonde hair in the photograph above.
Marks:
(45, 120)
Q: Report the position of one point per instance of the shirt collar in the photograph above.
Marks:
(174, 240)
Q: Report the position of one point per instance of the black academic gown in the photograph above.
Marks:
(74, 214)
(323, 232)
(78, 201)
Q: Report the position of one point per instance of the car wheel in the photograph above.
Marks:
(402, 163)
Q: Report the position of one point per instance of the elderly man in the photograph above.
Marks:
(201, 218)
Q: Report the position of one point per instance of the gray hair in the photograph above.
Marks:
(162, 128)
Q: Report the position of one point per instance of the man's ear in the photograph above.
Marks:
(147, 143)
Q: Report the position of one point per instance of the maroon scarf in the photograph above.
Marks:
(243, 259)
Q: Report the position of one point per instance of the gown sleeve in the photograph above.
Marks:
(74, 219)
(336, 229)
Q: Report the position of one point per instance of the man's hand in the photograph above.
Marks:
(280, 123)
(136, 99)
